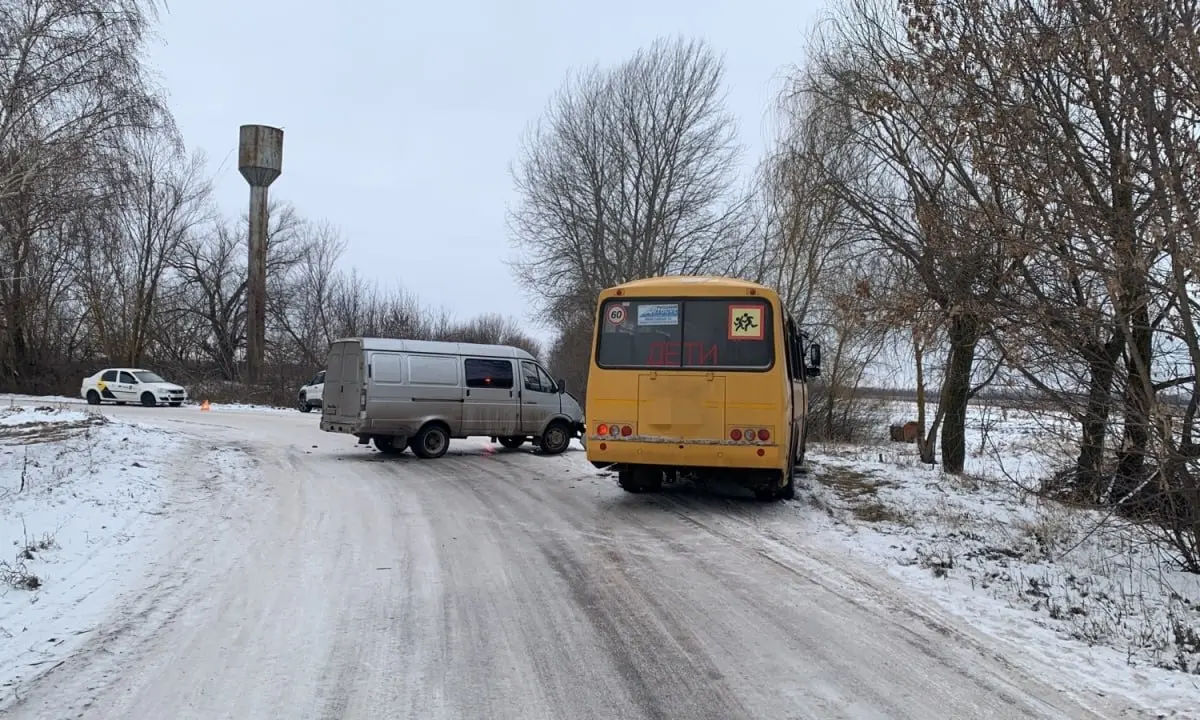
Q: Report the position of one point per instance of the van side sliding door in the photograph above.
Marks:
(491, 405)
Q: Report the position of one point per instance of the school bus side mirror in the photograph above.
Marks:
(814, 361)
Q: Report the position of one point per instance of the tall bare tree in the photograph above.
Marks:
(629, 174)
(71, 86)
(159, 205)
(914, 190)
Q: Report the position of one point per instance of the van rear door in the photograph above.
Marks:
(343, 381)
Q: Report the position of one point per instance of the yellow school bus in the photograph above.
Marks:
(698, 376)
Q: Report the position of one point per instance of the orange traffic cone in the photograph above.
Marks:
(204, 405)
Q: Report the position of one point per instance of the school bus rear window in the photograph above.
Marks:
(685, 334)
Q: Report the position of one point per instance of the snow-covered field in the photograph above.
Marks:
(84, 499)
(1080, 591)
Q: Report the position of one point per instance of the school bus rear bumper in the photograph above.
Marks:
(676, 454)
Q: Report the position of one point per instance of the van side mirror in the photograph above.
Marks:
(562, 385)
(814, 361)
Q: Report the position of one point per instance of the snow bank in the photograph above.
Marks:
(18, 401)
(1082, 592)
(82, 498)
(242, 407)
(61, 402)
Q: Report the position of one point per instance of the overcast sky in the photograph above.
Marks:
(400, 119)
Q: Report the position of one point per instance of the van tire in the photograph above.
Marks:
(431, 442)
(556, 438)
(512, 443)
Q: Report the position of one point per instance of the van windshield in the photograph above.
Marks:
(692, 333)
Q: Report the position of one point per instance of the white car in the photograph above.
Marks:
(131, 385)
(312, 394)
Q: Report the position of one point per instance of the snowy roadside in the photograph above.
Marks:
(83, 504)
(1086, 594)
(63, 402)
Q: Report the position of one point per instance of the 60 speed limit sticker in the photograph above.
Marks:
(616, 314)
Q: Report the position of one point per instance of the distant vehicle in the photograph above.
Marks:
(312, 394)
(420, 394)
(699, 376)
(131, 385)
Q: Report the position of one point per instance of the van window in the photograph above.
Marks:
(496, 374)
(432, 370)
(535, 378)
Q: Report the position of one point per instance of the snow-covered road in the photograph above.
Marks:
(346, 584)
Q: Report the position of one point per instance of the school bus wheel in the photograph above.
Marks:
(640, 479)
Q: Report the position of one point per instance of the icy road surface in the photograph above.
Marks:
(499, 585)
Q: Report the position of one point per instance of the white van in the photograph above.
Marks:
(419, 394)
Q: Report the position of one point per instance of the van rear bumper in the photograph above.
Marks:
(349, 427)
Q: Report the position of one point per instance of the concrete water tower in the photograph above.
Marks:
(260, 160)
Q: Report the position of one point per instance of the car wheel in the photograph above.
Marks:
(556, 439)
(148, 399)
(304, 406)
(93, 397)
(431, 442)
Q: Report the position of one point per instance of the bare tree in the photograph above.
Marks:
(211, 268)
(822, 272)
(630, 174)
(71, 86)
(913, 190)
(491, 329)
(158, 207)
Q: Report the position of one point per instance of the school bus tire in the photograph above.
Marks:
(788, 491)
(640, 480)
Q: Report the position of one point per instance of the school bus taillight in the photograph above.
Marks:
(602, 429)
(764, 435)
(735, 435)
(626, 431)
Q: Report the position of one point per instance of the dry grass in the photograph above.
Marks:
(36, 433)
(859, 491)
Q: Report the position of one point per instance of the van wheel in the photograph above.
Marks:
(556, 439)
(93, 397)
(512, 443)
(148, 400)
(431, 442)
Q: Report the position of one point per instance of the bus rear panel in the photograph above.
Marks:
(692, 377)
